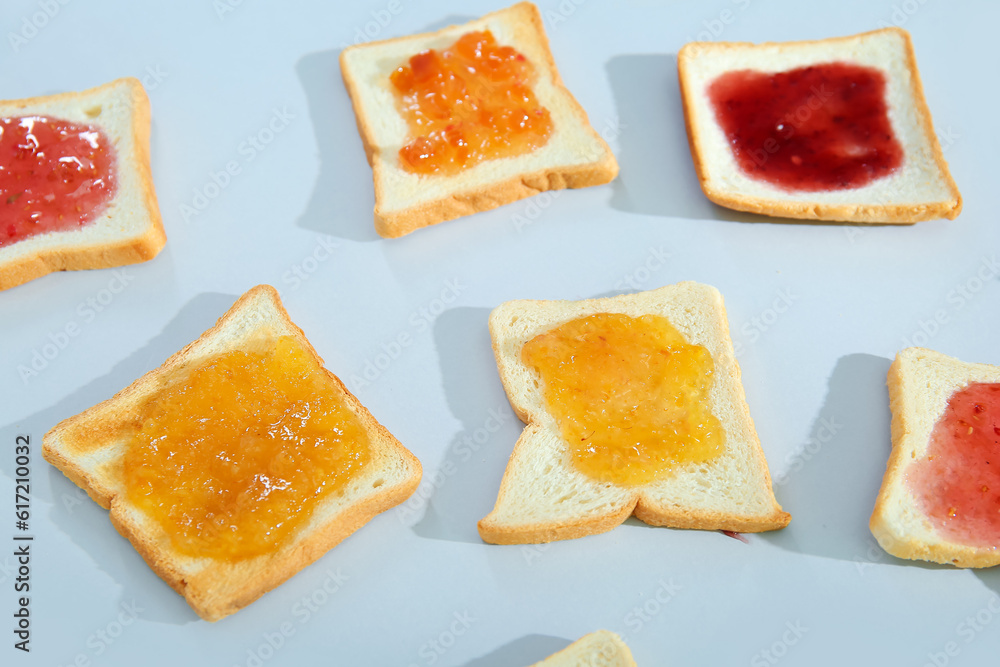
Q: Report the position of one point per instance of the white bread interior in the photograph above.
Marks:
(603, 648)
(921, 382)
(920, 189)
(543, 497)
(130, 229)
(89, 449)
(574, 156)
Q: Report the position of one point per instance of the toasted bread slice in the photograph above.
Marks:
(130, 229)
(574, 156)
(921, 188)
(603, 648)
(921, 383)
(90, 447)
(543, 497)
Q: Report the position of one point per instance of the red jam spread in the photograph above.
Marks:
(54, 176)
(630, 396)
(469, 102)
(824, 127)
(233, 458)
(957, 483)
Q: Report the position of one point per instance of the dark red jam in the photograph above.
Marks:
(816, 128)
(54, 176)
(957, 483)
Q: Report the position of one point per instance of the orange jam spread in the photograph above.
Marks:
(630, 395)
(234, 457)
(469, 102)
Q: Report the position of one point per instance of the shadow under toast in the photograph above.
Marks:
(84, 521)
(464, 488)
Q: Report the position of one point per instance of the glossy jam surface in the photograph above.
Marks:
(234, 457)
(957, 483)
(824, 127)
(469, 102)
(630, 395)
(54, 176)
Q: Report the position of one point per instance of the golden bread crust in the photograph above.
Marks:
(216, 589)
(913, 371)
(117, 252)
(462, 201)
(639, 501)
(868, 212)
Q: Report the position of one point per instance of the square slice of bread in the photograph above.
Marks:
(543, 497)
(597, 649)
(921, 382)
(574, 156)
(89, 448)
(919, 189)
(130, 229)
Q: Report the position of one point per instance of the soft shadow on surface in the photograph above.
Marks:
(657, 171)
(657, 174)
(343, 199)
(463, 488)
(630, 520)
(524, 651)
(83, 520)
(990, 578)
(829, 484)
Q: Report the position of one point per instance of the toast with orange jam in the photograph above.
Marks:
(237, 462)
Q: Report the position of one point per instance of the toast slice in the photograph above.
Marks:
(91, 449)
(920, 188)
(573, 157)
(129, 230)
(544, 497)
(922, 384)
(603, 648)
